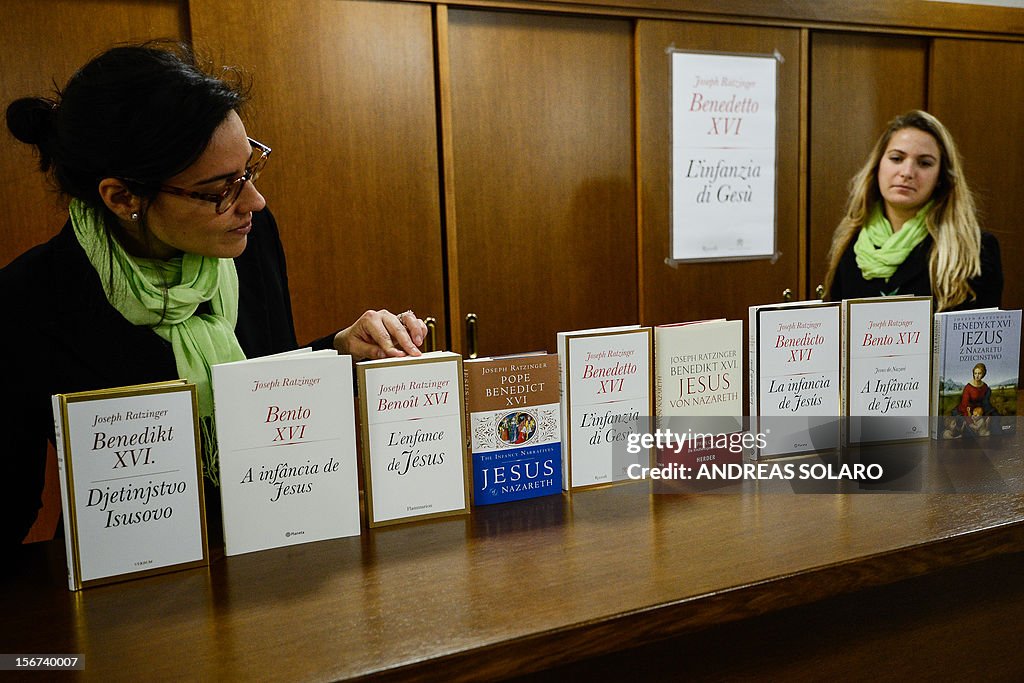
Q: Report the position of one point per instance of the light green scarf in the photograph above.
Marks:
(879, 250)
(164, 295)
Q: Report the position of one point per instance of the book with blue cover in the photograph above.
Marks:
(513, 418)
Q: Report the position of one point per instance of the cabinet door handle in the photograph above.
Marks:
(471, 335)
(430, 344)
(787, 294)
(820, 291)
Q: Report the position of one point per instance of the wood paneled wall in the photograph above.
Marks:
(697, 291)
(541, 143)
(345, 94)
(974, 87)
(858, 83)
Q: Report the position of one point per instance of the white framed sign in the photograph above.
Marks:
(723, 156)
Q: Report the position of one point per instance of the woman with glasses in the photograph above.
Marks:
(169, 262)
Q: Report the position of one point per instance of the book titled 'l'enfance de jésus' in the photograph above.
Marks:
(414, 452)
(287, 446)
(131, 481)
(605, 378)
(887, 350)
(975, 373)
(513, 417)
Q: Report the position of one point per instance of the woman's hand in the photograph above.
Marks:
(382, 334)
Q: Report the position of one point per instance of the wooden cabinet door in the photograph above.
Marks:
(858, 84)
(695, 291)
(344, 92)
(540, 183)
(974, 87)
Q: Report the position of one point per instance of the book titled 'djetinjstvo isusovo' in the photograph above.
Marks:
(698, 391)
(975, 373)
(287, 447)
(413, 445)
(513, 419)
(131, 481)
(605, 377)
(794, 377)
(887, 351)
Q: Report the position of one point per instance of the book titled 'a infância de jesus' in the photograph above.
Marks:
(131, 481)
(887, 350)
(287, 446)
(513, 418)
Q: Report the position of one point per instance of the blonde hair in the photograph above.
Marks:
(955, 256)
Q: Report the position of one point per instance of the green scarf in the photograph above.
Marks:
(164, 295)
(879, 250)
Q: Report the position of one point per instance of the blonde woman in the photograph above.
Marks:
(911, 226)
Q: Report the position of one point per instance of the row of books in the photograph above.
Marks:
(439, 433)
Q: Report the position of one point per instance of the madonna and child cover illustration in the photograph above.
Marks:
(977, 357)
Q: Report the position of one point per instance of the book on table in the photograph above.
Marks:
(513, 421)
(975, 365)
(287, 448)
(413, 437)
(606, 403)
(886, 373)
(794, 368)
(698, 392)
(131, 480)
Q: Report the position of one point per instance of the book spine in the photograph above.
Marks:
(844, 369)
(938, 368)
(62, 475)
(755, 426)
(563, 405)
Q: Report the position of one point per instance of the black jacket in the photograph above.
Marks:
(62, 335)
(912, 276)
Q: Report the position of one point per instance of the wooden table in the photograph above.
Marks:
(753, 579)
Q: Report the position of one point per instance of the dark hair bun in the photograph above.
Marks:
(30, 119)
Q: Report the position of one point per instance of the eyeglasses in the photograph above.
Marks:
(227, 197)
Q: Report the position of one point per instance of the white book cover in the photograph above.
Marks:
(795, 377)
(131, 482)
(887, 351)
(287, 447)
(605, 379)
(414, 453)
(698, 389)
(699, 372)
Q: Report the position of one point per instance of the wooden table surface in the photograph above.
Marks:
(526, 586)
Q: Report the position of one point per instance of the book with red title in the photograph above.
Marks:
(794, 377)
(287, 448)
(606, 397)
(887, 352)
(414, 445)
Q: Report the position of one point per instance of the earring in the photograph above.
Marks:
(135, 216)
